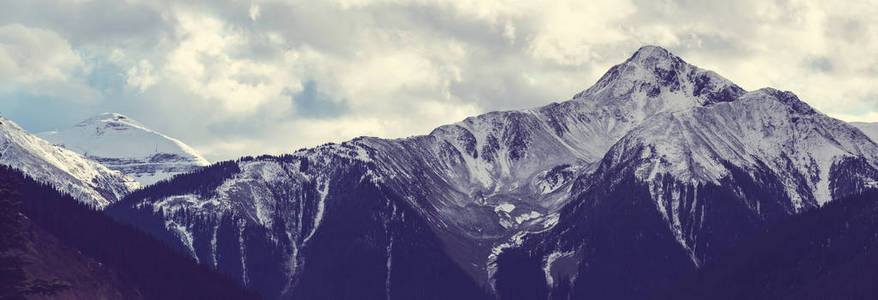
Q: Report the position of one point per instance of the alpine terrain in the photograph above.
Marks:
(125, 145)
(626, 189)
(84, 179)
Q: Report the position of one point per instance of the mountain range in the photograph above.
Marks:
(652, 183)
(654, 171)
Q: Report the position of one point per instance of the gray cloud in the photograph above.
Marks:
(84, 23)
(819, 64)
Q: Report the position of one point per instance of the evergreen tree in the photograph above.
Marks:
(13, 280)
(12, 277)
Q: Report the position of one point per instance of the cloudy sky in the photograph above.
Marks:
(248, 77)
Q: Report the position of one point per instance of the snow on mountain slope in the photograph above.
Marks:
(275, 223)
(870, 129)
(493, 182)
(764, 127)
(86, 180)
(504, 158)
(765, 131)
(474, 171)
(703, 179)
(478, 182)
(128, 146)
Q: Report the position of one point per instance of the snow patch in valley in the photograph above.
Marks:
(184, 234)
(318, 217)
(504, 207)
(514, 241)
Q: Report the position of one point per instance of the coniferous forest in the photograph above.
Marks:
(826, 253)
(151, 268)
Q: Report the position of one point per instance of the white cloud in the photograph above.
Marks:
(39, 62)
(203, 62)
(254, 11)
(140, 75)
(30, 55)
(568, 31)
(509, 32)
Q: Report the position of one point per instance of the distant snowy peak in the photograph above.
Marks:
(85, 180)
(116, 135)
(870, 129)
(126, 145)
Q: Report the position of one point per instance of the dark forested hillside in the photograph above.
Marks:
(156, 271)
(827, 253)
(371, 244)
(202, 181)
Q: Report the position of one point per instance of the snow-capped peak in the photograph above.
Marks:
(650, 52)
(124, 144)
(107, 116)
(85, 180)
(657, 80)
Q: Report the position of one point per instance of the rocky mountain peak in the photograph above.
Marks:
(652, 54)
(788, 98)
(655, 73)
